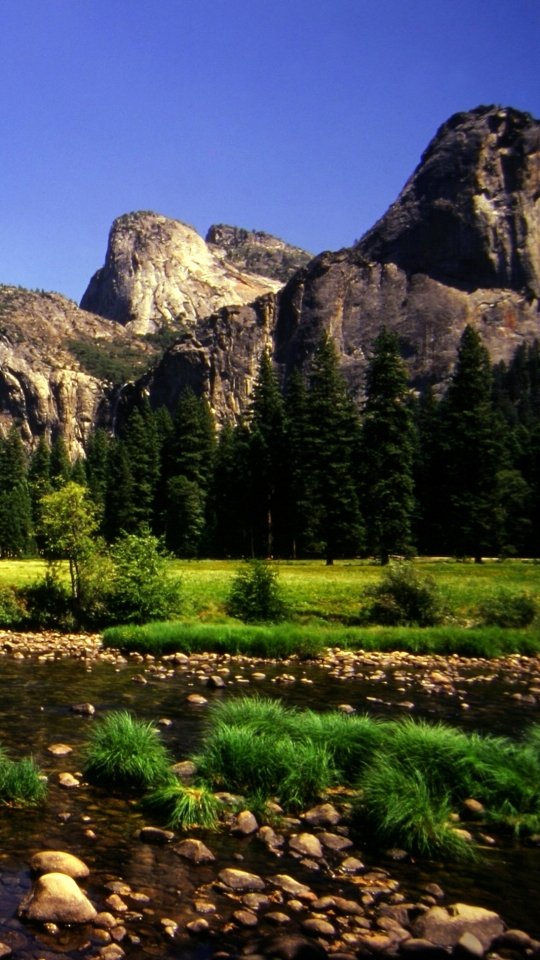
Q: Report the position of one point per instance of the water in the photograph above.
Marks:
(35, 712)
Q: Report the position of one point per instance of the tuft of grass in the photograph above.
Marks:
(126, 753)
(21, 783)
(183, 807)
(351, 742)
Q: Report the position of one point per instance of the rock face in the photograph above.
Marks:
(258, 252)
(160, 272)
(460, 245)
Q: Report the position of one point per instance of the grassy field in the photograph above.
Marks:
(327, 594)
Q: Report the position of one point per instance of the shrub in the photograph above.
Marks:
(182, 806)
(49, 604)
(505, 609)
(12, 609)
(141, 589)
(126, 753)
(404, 598)
(255, 595)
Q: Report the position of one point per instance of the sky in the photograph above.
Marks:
(303, 118)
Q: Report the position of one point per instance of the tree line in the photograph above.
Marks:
(306, 473)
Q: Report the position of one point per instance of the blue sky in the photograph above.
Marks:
(303, 118)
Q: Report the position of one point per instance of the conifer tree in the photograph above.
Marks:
(78, 472)
(268, 460)
(142, 449)
(472, 451)
(193, 442)
(296, 425)
(39, 482)
(335, 526)
(16, 531)
(388, 447)
(230, 494)
(119, 514)
(96, 466)
(185, 516)
(60, 466)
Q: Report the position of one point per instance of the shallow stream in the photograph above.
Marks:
(35, 712)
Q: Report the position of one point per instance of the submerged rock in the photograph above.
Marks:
(444, 927)
(194, 850)
(56, 898)
(156, 835)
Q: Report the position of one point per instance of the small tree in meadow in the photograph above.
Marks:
(255, 594)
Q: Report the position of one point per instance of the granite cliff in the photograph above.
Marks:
(460, 245)
(259, 252)
(160, 272)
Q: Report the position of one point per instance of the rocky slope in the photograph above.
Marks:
(460, 245)
(259, 252)
(160, 272)
(43, 386)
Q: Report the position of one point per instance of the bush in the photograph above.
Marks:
(49, 604)
(255, 595)
(126, 753)
(141, 589)
(506, 609)
(12, 608)
(404, 598)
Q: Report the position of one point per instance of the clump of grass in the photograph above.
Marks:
(183, 807)
(126, 753)
(505, 609)
(21, 783)
(351, 742)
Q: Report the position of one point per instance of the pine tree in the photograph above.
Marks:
(185, 516)
(16, 528)
(97, 448)
(78, 472)
(193, 442)
(229, 507)
(12, 460)
(268, 461)
(142, 447)
(60, 466)
(296, 425)
(332, 425)
(430, 521)
(39, 482)
(388, 448)
(119, 513)
(473, 452)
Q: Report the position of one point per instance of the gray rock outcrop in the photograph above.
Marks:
(160, 272)
(256, 251)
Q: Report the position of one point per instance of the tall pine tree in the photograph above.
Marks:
(268, 461)
(387, 451)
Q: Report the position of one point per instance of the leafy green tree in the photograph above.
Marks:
(141, 589)
(60, 465)
(388, 448)
(335, 526)
(473, 452)
(68, 523)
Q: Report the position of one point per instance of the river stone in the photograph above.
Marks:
(246, 918)
(68, 780)
(444, 927)
(346, 708)
(198, 926)
(215, 682)
(5, 950)
(352, 865)
(269, 837)
(320, 928)
(349, 907)
(240, 880)
(291, 886)
(423, 949)
(112, 952)
(513, 940)
(473, 808)
(332, 842)
(60, 749)
(118, 886)
(325, 815)
(87, 709)
(468, 946)
(53, 861)
(116, 903)
(197, 701)
(105, 920)
(204, 906)
(306, 844)
(184, 770)
(255, 900)
(56, 898)
(291, 946)
(156, 835)
(275, 916)
(194, 850)
(245, 823)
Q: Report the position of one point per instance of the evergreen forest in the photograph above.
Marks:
(306, 472)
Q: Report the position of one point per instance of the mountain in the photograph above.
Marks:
(259, 252)
(461, 244)
(159, 272)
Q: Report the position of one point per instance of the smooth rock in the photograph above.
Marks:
(197, 701)
(5, 950)
(319, 928)
(156, 835)
(292, 947)
(292, 887)
(275, 916)
(473, 808)
(444, 927)
(513, 940)
(322, 816)
(468, 946)
(245, 823)
(204, 907)
(270, 837)
(184, 770)
(198, 926)
(215, 682)
(307, 844)
(423, 949)
(118, 886)
(194, 850)
(68, 781)
(87, 709)
(240, 880)
(246, 918)
(346, 708)
(331, 841)
(54, 861)
(255, 900)
(112, 952)
(105, 920)
(352, 865)
(60, 749)
(56, 898)
(116, 903)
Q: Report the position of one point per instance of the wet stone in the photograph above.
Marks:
(246, 918)
(194, 850)
(86, 709)
(204, 907)
(117, 886)
(240, 880)
(255, 900)
(319, 928)
(105, 920)
(310, 864)
(215, 682)
(270, 837)
(5, 950)
(331, 841)
(275, 916)
(112, 952)
(198, 926)
(352, 865)
(116, 903)
(291, 886)
(60, 749)
(156, 835)
(184, 770)
(468, 946)
(306, 844)
(56, 898)
(290, 946)
(55, 861)
(325, 815)
(196, 700)
(68, 781)
(245, 823)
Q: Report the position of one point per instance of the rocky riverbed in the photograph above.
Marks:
(293, 887)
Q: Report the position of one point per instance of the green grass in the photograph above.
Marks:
(410, 775)
(288, 639)
(183, 807)
(20, 783)
(126, 753)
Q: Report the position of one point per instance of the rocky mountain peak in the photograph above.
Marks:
(469, 215)
(159, 272)
(259, 252)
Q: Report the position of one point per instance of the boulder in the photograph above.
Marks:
(54, 861)
(444, 927)
(307, 844)
(245, 823)
(56, 898)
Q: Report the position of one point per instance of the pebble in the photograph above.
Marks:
(116, 903)
(204, 906)
(68, 781)
(246, 918)
(275, 916)
(184, 770)
(60, 749)
(321, 928)
(197, 701)
(240, 880)
(198, 926)
(255, 900)
(352, 865)
(307, 844)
